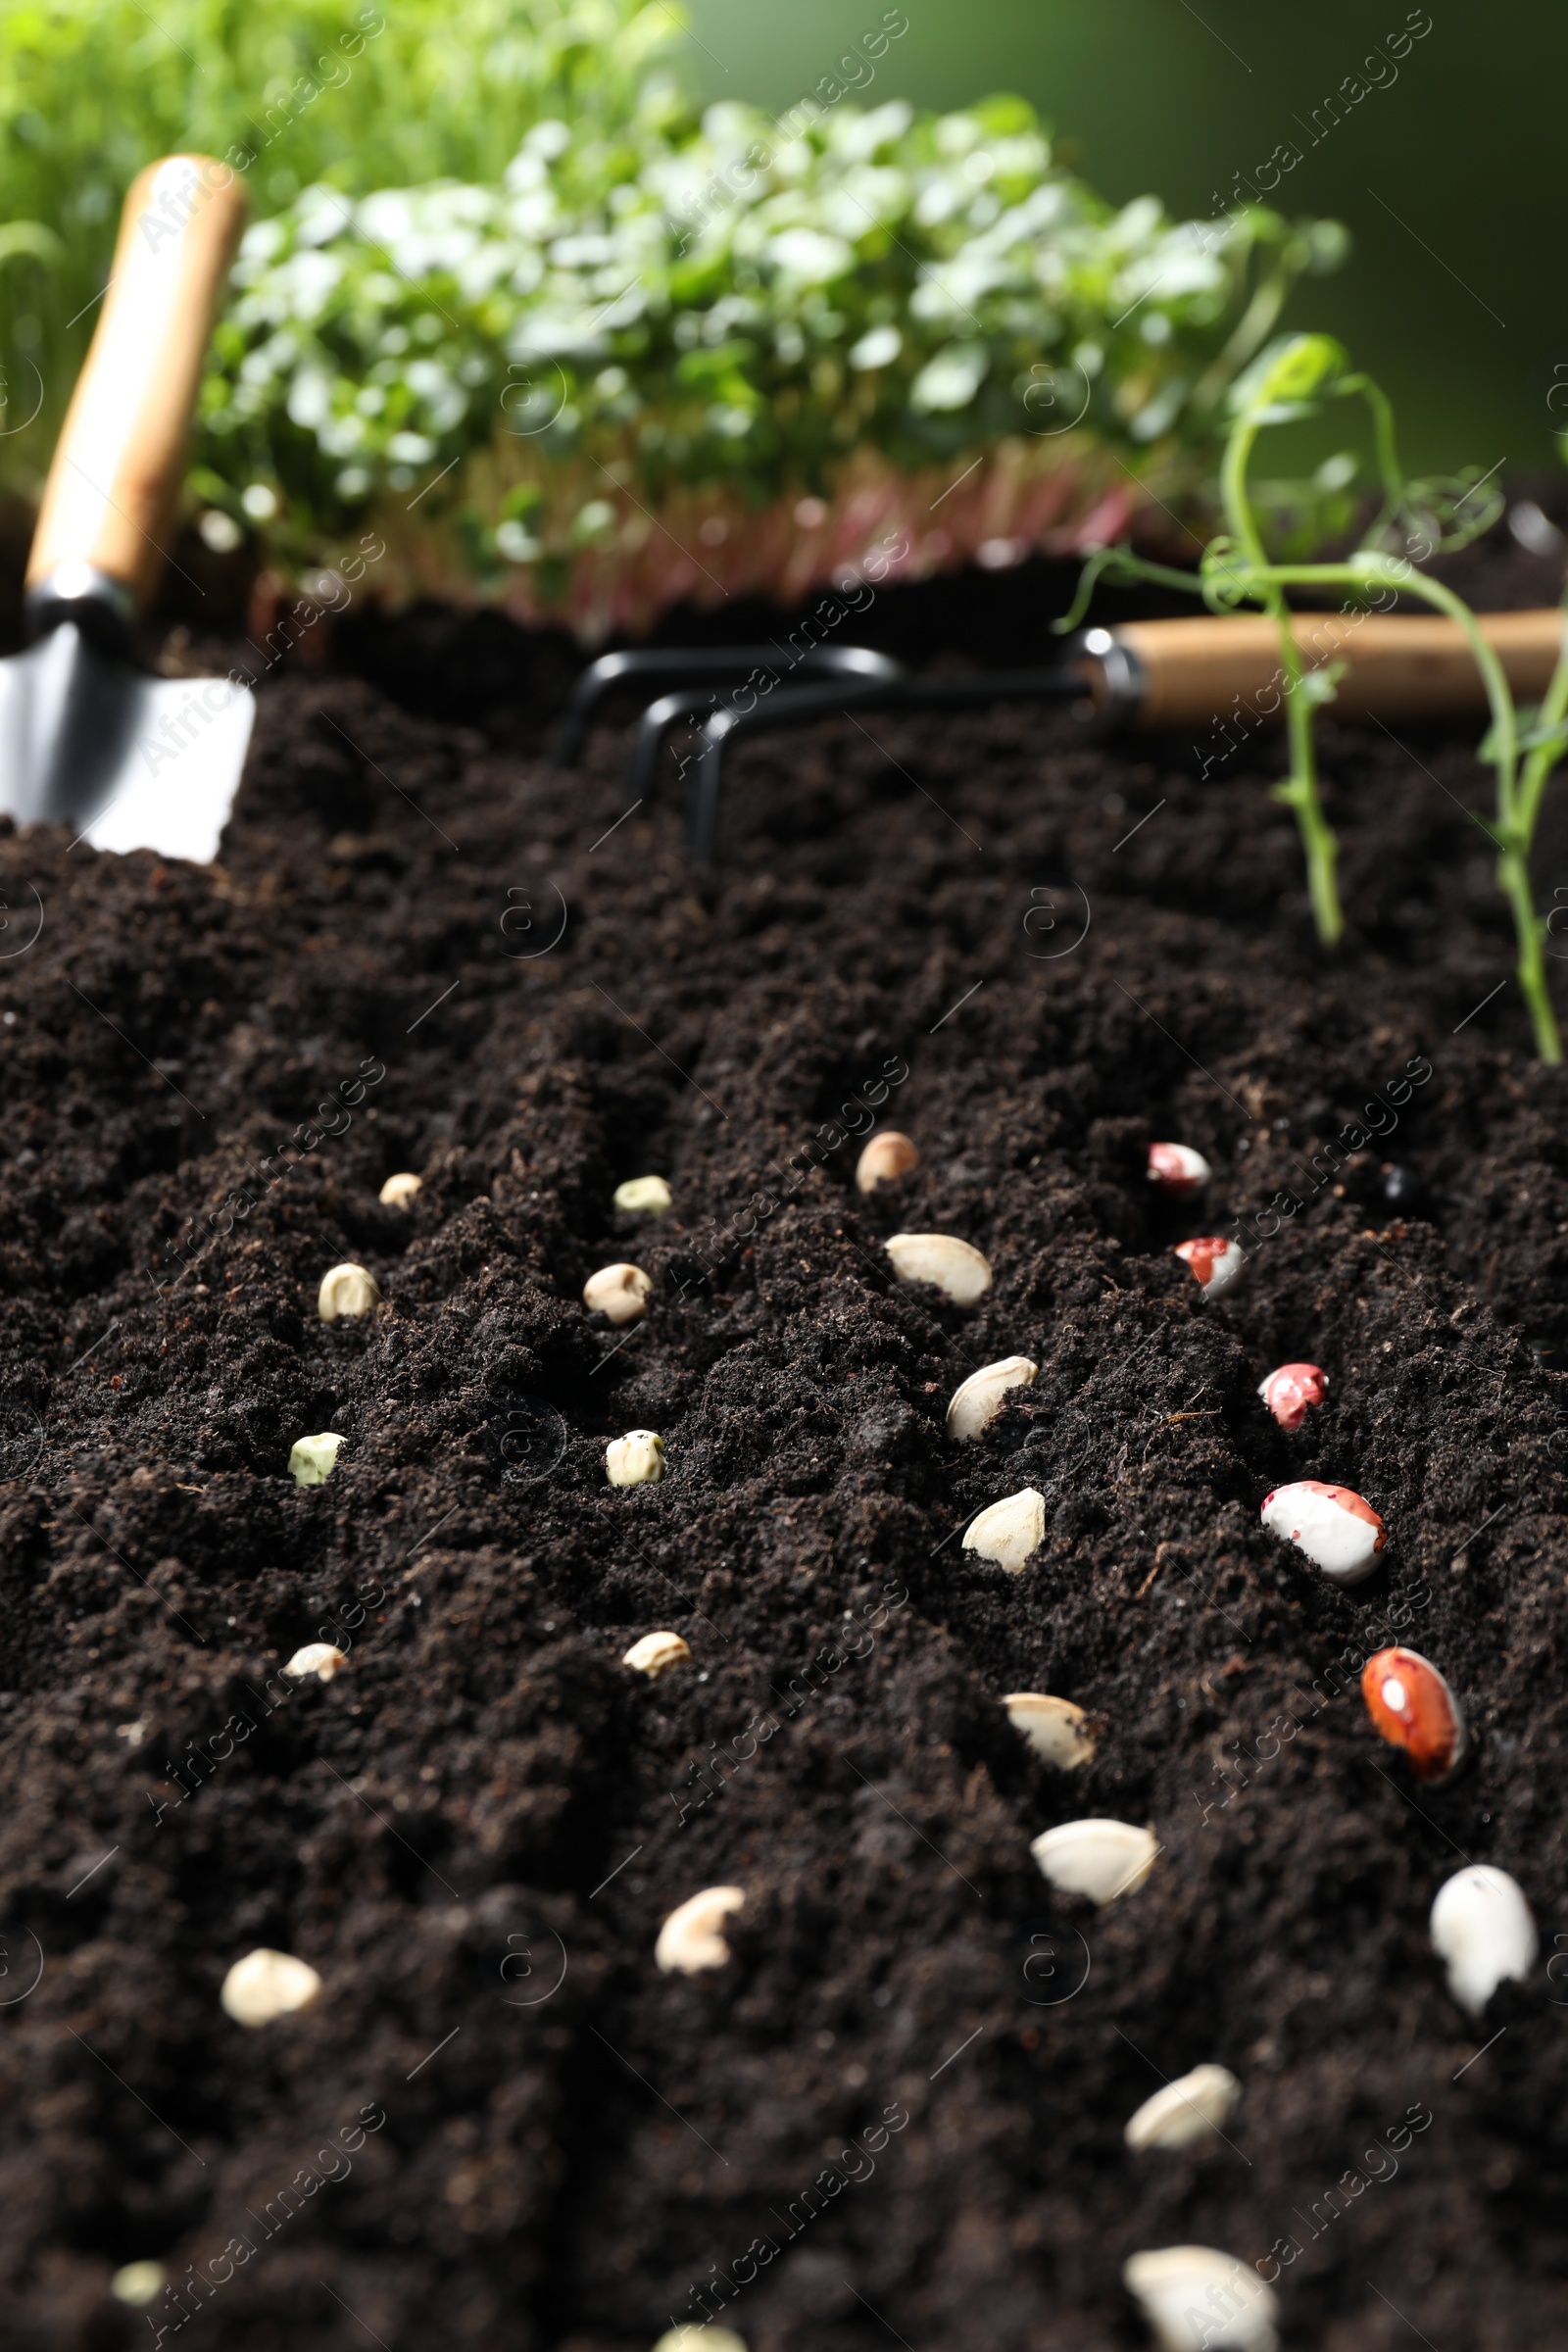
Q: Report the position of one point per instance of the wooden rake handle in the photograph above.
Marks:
(1194, 673)
(115, 483)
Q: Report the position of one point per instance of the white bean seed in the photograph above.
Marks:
(1485, 1931)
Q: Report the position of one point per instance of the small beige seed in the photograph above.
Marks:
(312, 1460)
(1195, 2107)
(885, 1160)
(656, 1653)
(635, 1460)
(137, 2283)
(644, 1196)
(1008, 1531)
(692, 1938)
(978, 1400)
(318, 1659)
(266, 1985)
(1052, 1726)
(1195, 2296)
(347, 1290)
(400, 1191)
(941, 1259)
(1102, 1859)
(621, 1291)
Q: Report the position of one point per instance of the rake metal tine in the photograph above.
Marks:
(851, 661)
(692, 666)
(658, 665)
(858, 661)
(651, 728)
(799, 705)
(796, 707)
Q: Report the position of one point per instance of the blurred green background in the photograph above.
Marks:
(1449, 177)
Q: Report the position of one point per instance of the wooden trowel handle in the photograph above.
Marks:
(1194, 673)
(115, 483)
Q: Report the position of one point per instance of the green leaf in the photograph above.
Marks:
(1531, 736)
(1289, 378)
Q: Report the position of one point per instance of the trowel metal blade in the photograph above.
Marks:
(128, 762)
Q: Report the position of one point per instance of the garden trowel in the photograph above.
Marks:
(86, 739)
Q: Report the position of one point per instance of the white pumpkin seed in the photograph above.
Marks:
(977, 1400)
(952, 1266)
(1102, 1859)
(656, 1653)
(1052, 1726)
(1008, 1531)
(692, 1938)
(1196, 2297)
(1191, 2109)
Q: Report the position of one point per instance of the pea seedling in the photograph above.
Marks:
(1289, 383)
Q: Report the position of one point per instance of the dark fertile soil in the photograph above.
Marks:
(476, 1830)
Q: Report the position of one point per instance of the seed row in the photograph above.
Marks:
(1481, 1924)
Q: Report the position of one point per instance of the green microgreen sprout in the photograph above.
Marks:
(510, 290)
(1295, 381)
